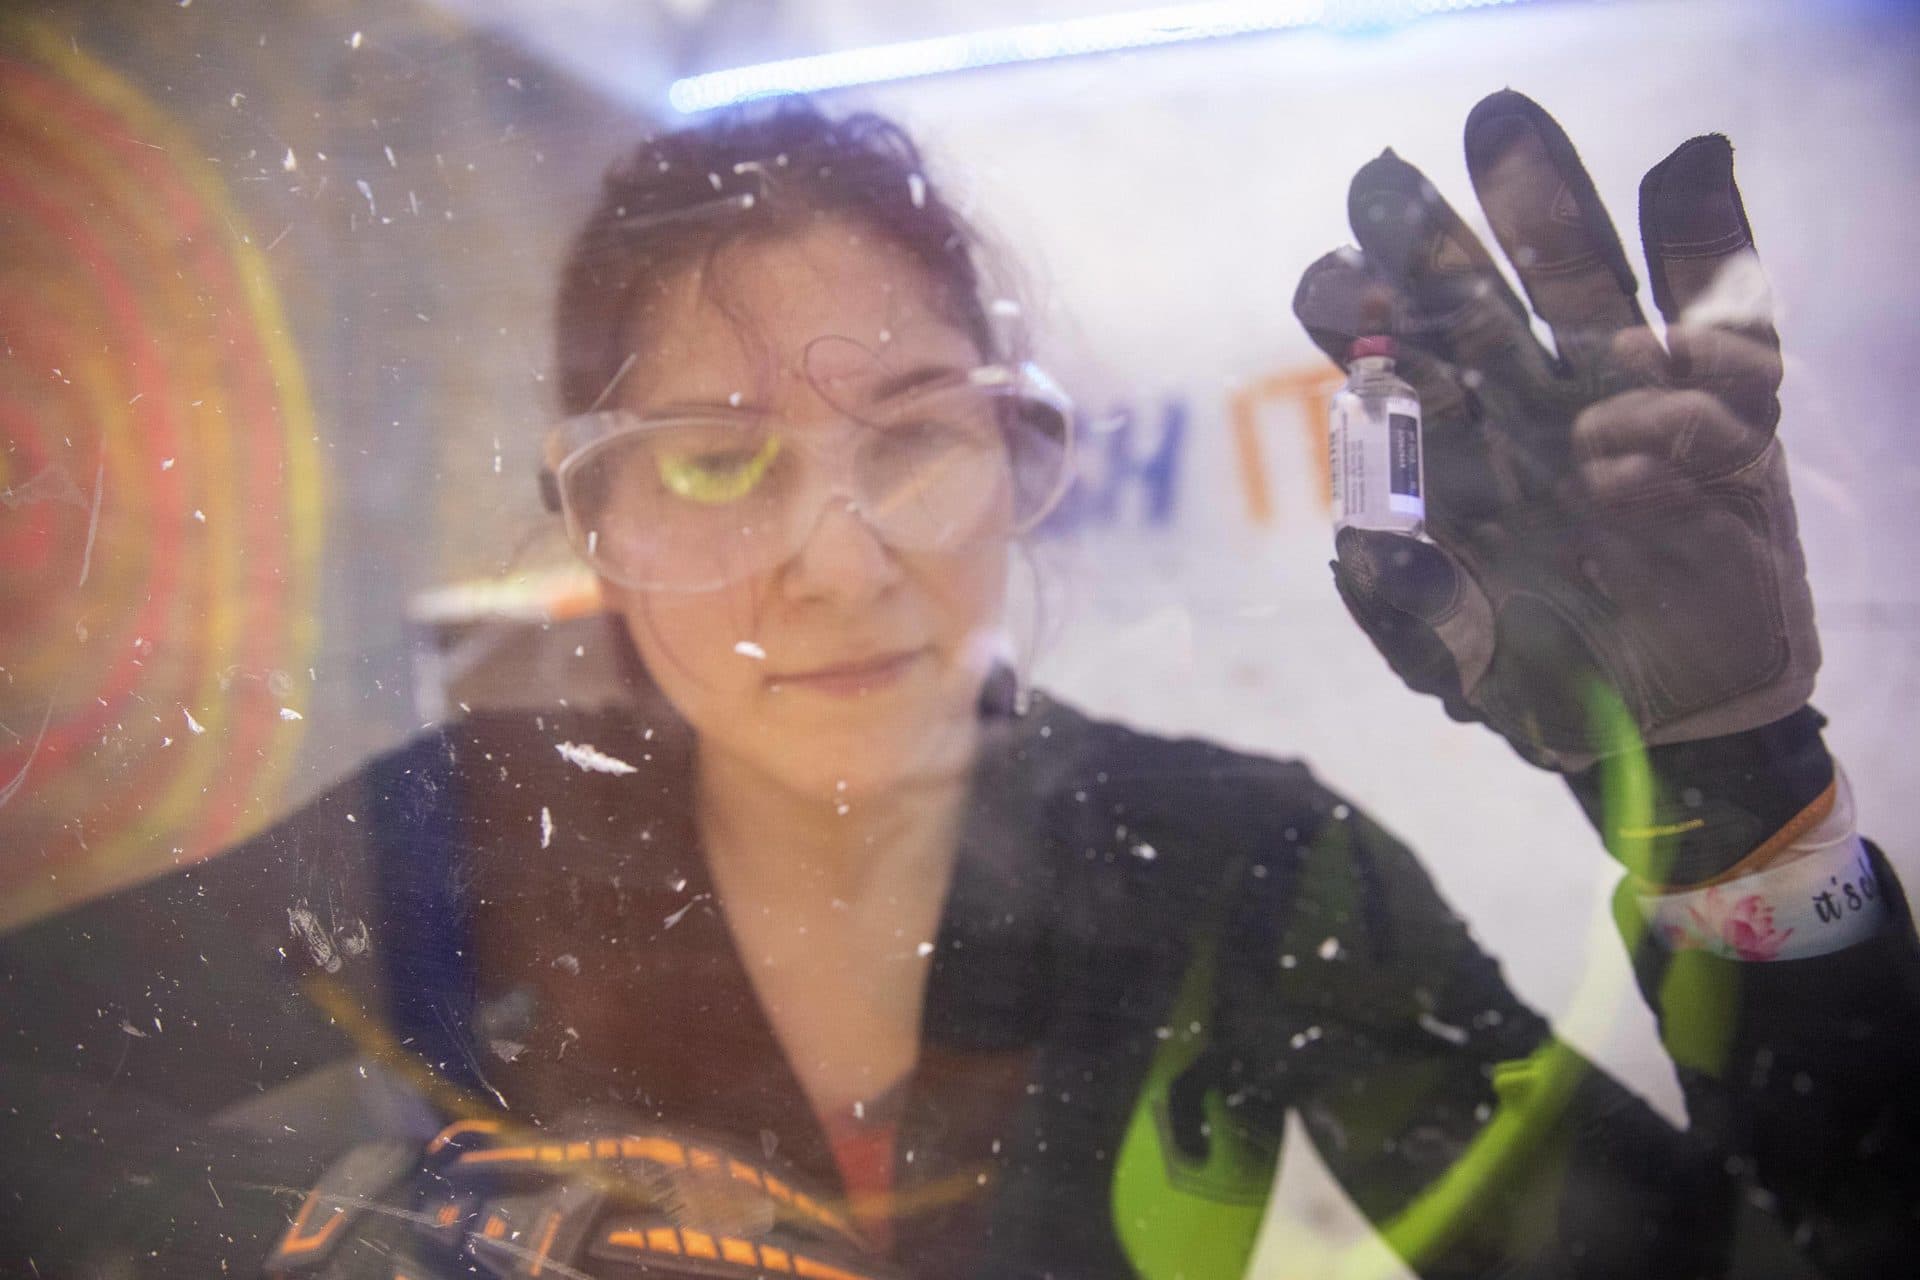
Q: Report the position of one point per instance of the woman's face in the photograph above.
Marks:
(850, 665)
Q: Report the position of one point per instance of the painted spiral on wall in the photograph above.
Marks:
(160, 492)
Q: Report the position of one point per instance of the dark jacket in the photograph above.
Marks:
(1153, 950)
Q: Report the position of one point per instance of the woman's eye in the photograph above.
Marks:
(716, 475)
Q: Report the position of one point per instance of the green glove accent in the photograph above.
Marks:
(1183, 1216)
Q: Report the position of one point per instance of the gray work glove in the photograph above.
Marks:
(1611, 525)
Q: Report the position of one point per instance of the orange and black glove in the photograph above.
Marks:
(589, 1196)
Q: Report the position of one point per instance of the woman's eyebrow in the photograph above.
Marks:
(885, 388)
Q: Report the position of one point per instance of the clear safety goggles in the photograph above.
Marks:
(694, 501)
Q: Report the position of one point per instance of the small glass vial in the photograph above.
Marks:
(1373, 445)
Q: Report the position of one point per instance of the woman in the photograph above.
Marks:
(833, 954)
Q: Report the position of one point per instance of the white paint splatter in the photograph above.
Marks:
(93, 518)
(924, 950)
(1433, 1026)
(1145, 852)
(748, 649)
(193, 725)
(305, 925)
(546, 828)
(355, 940)
(1330, 948)
(288, 713)
(289, 162)
(679, 915)
(590, 759)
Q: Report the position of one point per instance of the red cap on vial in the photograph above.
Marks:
(1376, 344)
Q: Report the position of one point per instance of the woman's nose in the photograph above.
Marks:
(841, 557)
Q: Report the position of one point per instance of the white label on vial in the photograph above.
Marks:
(1373, 463)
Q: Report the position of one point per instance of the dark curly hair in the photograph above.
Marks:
(755, 172)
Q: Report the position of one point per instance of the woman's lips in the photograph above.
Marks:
(851, 679)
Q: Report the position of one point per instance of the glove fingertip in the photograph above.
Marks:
(1326, 281)
(1407, 641)
(1382, 189)
(1503, 122)
(1493, 122)
(1690, 204)
(1338, 299)
(1402, 573)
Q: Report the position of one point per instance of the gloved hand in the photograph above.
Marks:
(1608, 523)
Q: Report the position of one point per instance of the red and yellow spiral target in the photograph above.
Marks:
(160, 493)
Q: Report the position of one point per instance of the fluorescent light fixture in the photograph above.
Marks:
(1037, 42)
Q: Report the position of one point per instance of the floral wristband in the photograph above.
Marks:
(1823, 896)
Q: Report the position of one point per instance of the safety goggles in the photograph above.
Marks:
(694, 501)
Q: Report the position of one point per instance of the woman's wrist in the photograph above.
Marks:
(1809, 891)
(1716, 809)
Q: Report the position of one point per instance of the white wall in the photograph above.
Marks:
(1165, 204)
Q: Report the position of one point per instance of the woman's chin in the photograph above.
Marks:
(868, 771)
(847, 764)
(922, 733)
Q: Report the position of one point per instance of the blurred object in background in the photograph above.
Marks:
(163, 500)
(530, 642)
(273, 294)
